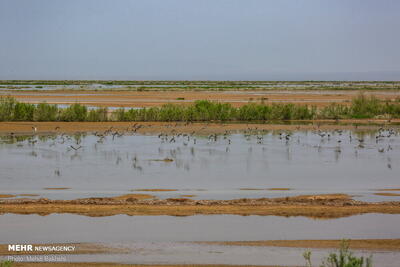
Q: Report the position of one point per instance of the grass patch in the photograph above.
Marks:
(6, 263)
(343, 258)
(361, 107)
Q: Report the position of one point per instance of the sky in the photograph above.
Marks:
(200, 39)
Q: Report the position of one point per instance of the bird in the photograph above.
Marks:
(32, 141)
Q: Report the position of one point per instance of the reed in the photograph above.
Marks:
(201, 111)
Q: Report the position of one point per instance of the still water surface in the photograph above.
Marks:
(306, 163)
(167, 239)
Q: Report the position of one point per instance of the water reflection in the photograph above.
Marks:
(316, 161)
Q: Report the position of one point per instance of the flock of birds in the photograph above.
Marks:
(174, 135)
(335, 137)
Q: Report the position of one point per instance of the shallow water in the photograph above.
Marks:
(306, 163)
(264, 85)
(210, 169)
(124, 228)
(184, 253)
(165, 239)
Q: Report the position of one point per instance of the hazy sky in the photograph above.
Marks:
(200, 39)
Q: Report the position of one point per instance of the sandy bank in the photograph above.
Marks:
(233, 96)
(315, 206)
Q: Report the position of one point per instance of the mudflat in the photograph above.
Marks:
(315, 206)
(115, 98)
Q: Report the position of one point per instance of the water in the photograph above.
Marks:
(167, 239)
(306, 163)
(130, 229)
(208, 85)
(178, 253)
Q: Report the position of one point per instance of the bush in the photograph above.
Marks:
(23, 112)
(202, 110)
(100, 114)
(344, 258)
(365, 107)
(7, 109)
(45, 112)
(75, 112)
(334, 111)
(6, 263)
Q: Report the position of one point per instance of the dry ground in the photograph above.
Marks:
(157, 98)
(314, 206)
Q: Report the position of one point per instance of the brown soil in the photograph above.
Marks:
(133, 196)
(388, 194)
(6, 196)
(80, 248)
(25, 128)
(364, 244)
(164, 160)
(279, 189)
(315, 206)
(158, 98)
(21, 195)
(188, 195)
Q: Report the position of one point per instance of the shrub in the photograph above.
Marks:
(23, 111)
(6, 263)
(100, 114)
(334, 111)
(202, 110)
(75, 112)
(344, 258)
(7, 108)
(45, 112)
(365, 107)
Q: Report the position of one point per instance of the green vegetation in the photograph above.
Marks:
(6, 263)
(12, 110)
(360, 107)
(344, 258)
